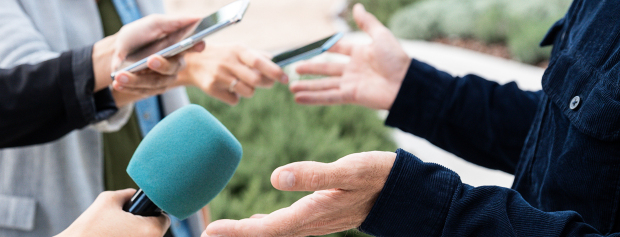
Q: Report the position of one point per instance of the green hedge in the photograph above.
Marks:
(520, 25)
(382, 9)
(275, 131)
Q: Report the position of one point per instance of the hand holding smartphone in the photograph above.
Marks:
(306, 52)
(186, 37)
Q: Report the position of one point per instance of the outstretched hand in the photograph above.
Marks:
(372, 78)
(345, 192)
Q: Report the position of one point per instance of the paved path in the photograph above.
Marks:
(270, 25)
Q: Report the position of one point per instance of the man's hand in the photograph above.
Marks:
(229, 71)
(105, 217)
(372, 78)
(345, 191)
(161, 73)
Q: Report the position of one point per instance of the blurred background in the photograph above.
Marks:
(496, 39)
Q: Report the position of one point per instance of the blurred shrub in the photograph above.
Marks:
(382, 9)
(518, 24)
(275, 131)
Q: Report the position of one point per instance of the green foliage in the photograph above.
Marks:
(275, 131)
(522, 42)
(382, 9)
(518, 24)
(492, 26)
(418, 21)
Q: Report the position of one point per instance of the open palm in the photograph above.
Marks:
(372, 78)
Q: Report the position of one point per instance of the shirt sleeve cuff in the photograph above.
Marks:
(116, 121)
(414, 199)
(97, 106)
(421, 95)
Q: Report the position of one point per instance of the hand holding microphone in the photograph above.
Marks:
(106, 218)
(182, 164)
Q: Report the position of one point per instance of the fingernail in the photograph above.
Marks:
(363, 7)
(284, 79)
(205, 235)
(123, 79)
(155, 64)
(287, 179)
(120, 88)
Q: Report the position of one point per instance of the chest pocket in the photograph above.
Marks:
(17, 212)
(588, 97)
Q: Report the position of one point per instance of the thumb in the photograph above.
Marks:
(120, 197)
(310, 176)
(366, 21)
(148, 29)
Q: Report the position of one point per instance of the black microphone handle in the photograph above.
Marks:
(141, 205)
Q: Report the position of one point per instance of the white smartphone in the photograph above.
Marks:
(306, 52)
(186, 37)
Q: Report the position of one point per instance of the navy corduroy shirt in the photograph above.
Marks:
(561, 143)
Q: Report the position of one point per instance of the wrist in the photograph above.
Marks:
(121, 99)
(186, 76)
(102, 59)
(397, 80)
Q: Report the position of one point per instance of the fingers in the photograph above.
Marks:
(263, 65)
(146, 30)
(169, 66)
(199, 47)
(367, 22)
(118, 198)
(342, 47)
(320, 92)
(225, 96)
(325, 69)
(232, 228)
(258, 216)
(165, 24)
(243, 89)
(310, 176)
(315, 85)
(283, 222)
(245, 74)
(162, 222)
(330, 97)
(127, 82)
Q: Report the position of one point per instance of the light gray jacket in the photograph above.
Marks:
(44, 188)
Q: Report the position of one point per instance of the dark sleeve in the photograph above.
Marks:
(473, 118)
(43, 102)
(424, 199)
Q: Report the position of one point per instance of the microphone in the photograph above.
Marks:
(182, 164)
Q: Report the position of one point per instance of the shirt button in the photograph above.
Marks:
(574, 104)
(146, 116)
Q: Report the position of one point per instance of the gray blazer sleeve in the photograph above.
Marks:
(24, 42)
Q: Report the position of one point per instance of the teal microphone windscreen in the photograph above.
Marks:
(185, 161)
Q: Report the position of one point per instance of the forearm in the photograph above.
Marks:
(101, 60)
(430, 200)
(43, 102)
(476, 119)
